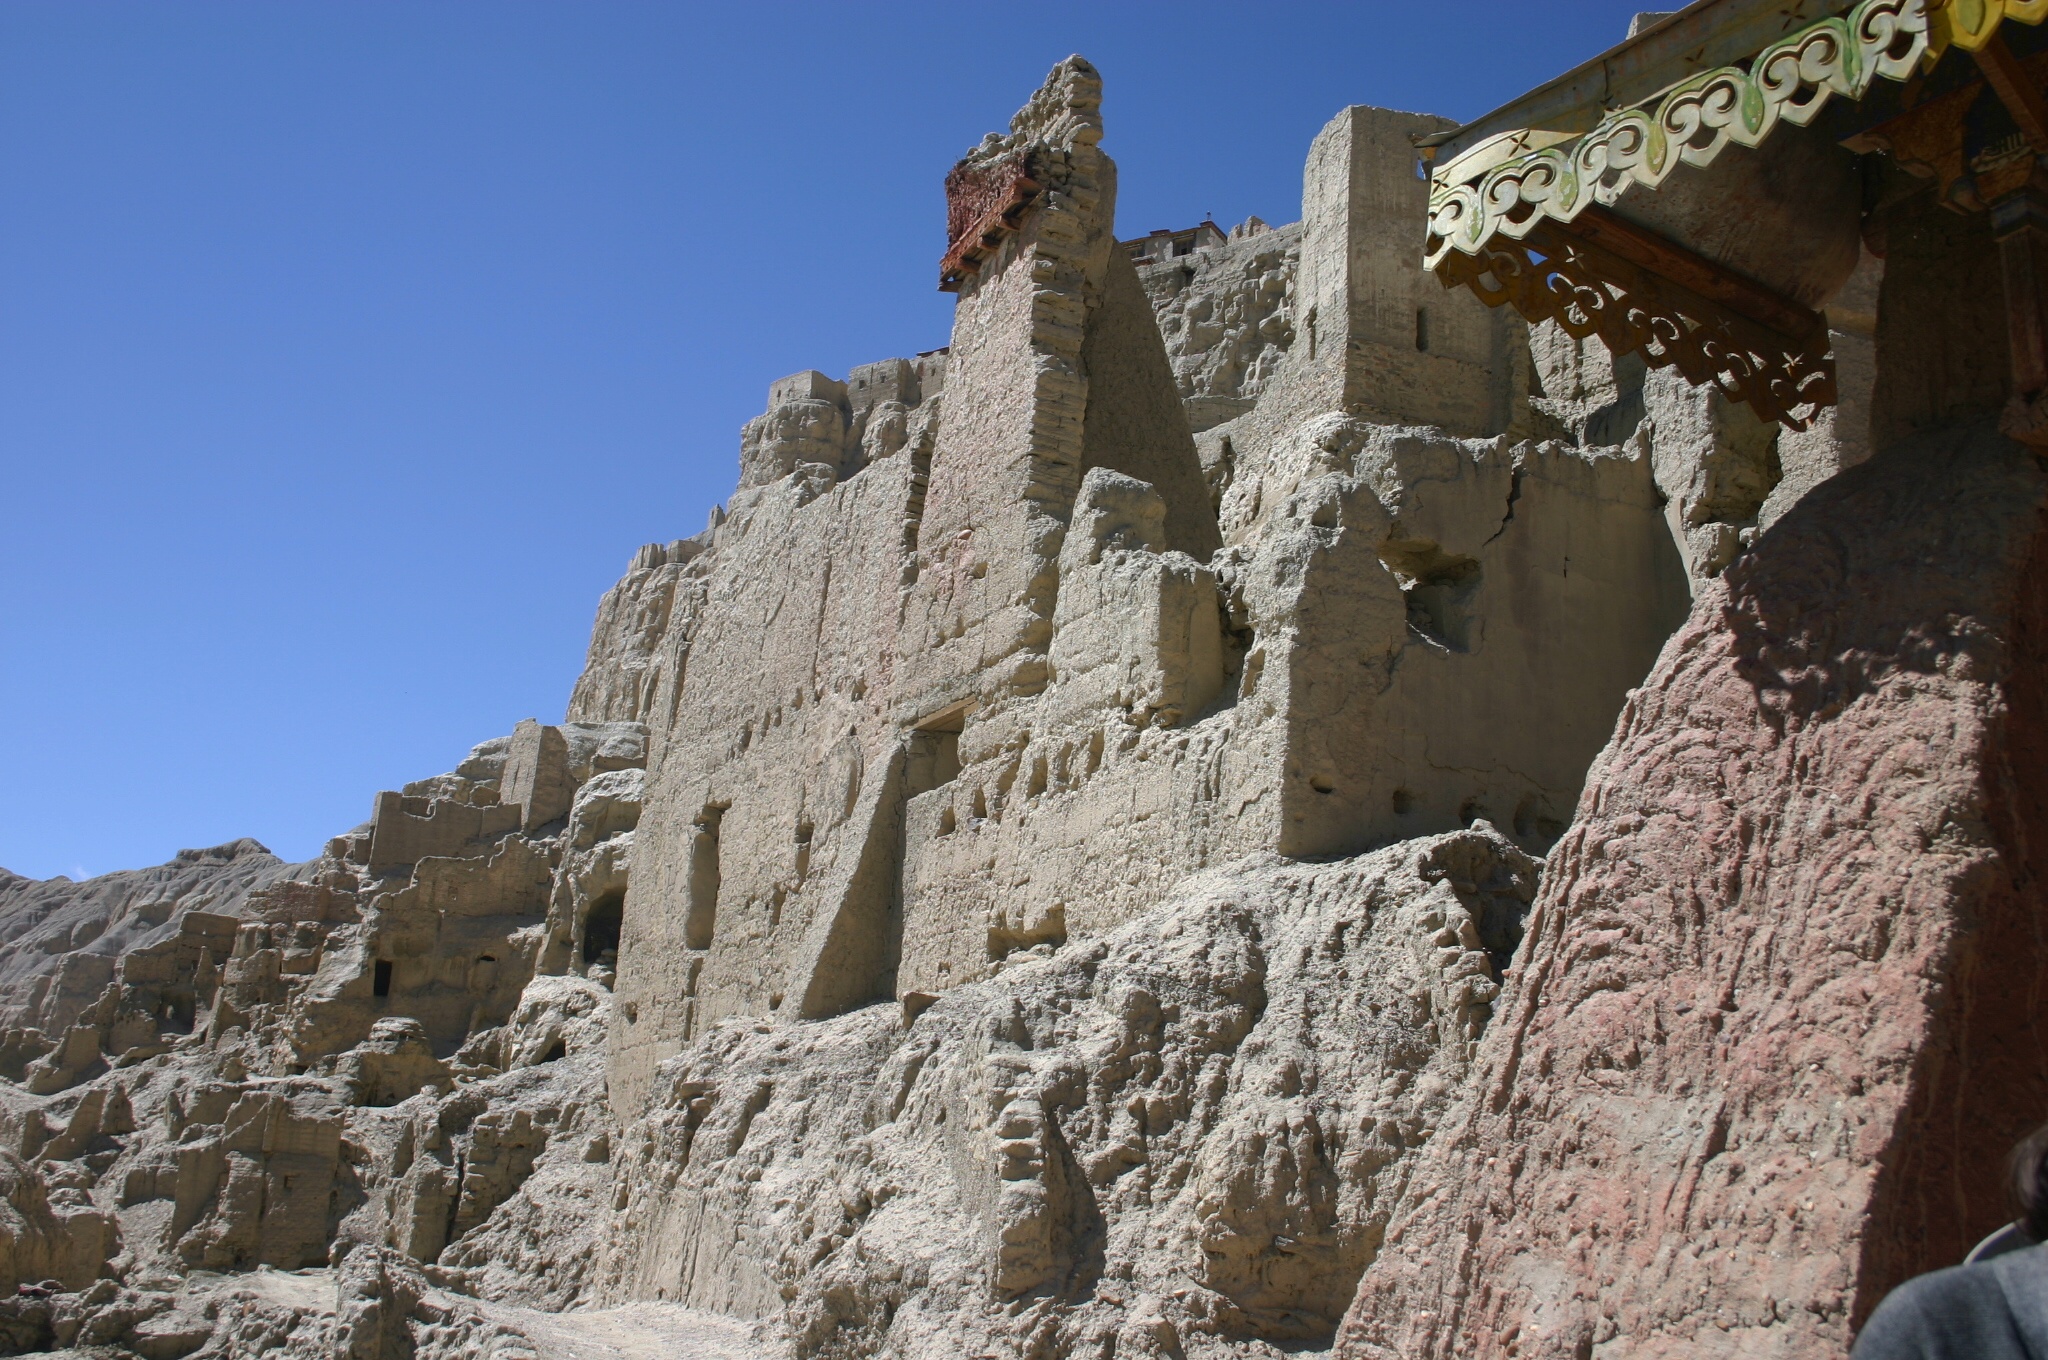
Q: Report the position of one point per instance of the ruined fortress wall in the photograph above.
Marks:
(766, 770)
(991, 876)
(1446, 630)
(1045, 711)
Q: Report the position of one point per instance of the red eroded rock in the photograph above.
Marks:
(1779, 1012)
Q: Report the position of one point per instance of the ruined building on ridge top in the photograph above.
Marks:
(1450, 778)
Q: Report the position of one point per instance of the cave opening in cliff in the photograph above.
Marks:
(601, 926)
(380, 981)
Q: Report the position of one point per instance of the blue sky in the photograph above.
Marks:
(347, 351)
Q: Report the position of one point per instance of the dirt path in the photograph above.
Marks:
(637, 1331)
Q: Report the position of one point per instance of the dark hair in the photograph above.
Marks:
(2027, 1182)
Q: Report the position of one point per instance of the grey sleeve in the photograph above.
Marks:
(1954, 1314)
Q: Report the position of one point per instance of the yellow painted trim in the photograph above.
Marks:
(1969, 24)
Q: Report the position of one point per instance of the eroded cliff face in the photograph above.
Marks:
(1190, 1128)
(1775, 986)
(1038, 873)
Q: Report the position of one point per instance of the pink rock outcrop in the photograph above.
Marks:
(1779, 1012)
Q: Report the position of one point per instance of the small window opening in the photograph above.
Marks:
(935, 750)
(1422, 330)
(1184, 247)
(380, 982)
(803, 850)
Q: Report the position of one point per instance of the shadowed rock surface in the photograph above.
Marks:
(1778, 977)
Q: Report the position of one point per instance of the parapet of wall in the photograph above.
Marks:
(833, 428)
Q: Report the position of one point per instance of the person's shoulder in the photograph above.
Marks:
(1955, 1314)
(2013, 1237)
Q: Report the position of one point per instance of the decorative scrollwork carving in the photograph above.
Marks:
(1690, 122)
(1549, 276)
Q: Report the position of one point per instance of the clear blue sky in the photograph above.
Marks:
(347, 351)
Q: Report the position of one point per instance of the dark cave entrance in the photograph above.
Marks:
(602, 924)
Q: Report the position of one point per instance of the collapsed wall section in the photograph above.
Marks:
(1445, 628)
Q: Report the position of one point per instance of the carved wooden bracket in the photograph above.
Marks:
(983, 203)
(1642, 294)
